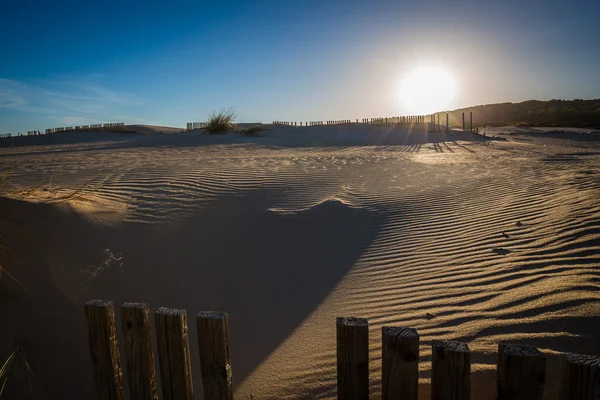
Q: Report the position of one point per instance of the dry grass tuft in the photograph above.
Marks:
(16, 365)
(221, 122)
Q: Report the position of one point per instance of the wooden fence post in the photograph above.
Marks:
(521, 372)
(135, 324)
(580, 377)
(463, 118)
(215, 358)
(400, 363)
(174, 354)
(447, 126)
(470, 120)
(450, 370)
(352, 358)
(104, 350)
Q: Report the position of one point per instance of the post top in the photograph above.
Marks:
(451, 345)
(212, 314)
(398, 331)
(170, 311)
(352, 321)
(582, 359)
(98, 303)
(522, 350)
(134, 305)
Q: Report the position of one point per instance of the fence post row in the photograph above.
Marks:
(521, 370)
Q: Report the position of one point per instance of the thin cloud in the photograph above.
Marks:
(67, 101)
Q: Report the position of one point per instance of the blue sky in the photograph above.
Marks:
(78, 62)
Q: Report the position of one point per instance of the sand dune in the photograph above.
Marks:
(457, 236)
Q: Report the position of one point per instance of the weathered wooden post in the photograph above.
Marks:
(135, 324)
(104, 350)
(470, 120)
(215, 357)
(463, 121)
(580, 377)
(450, 371)
(352, 358)
(447, 125)
(400, 364)
(521, 372)
(174, 354)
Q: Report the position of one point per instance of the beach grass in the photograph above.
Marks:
(221, 122)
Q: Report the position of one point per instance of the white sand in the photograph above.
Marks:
(288, 231)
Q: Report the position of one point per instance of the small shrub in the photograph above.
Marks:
(220, 122)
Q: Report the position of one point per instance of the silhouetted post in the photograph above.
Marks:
(400, 363)
(463, 118)
(450, 370)
(135, 324)
(104, 350)
(447, 126)
(174, 354)
(470, 120)
(215, 358)
(521, 372)
(580, 377)
(352, 358)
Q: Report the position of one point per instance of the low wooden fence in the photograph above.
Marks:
(521, 369)
(414, 122)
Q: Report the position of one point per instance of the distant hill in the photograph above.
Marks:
(574, 113)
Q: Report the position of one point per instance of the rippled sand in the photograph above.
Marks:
(461, 238)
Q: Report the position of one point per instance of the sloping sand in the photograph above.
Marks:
(460, 237)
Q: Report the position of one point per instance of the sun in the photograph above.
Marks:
(426, 90)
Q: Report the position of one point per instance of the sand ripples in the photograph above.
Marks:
(480, 243)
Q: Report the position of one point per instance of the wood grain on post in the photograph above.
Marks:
(521, 372)
(352, 358)
(135, 324)
(400, 366)
(580, 377)
(104, 350)
(174, 354)
(450, 370)
(215, 357)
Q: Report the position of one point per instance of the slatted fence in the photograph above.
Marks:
(521, 370)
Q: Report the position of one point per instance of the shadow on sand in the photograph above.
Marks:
(268, 271)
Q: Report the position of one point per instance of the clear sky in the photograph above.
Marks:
(66, 63)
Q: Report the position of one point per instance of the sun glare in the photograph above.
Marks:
(427, 90)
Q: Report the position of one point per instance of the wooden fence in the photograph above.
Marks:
(414, 122)
(521, 369)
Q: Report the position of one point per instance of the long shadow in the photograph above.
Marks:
(463, 147)
(268, 271)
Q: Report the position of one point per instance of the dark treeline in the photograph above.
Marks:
(575, 113)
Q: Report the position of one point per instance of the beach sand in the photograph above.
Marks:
(456, 235)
